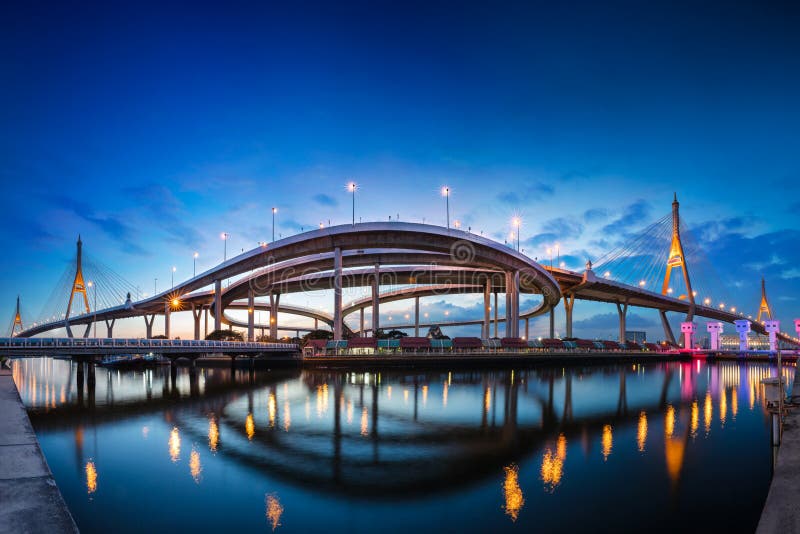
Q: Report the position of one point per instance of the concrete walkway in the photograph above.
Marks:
(29, 498)
(781, 513)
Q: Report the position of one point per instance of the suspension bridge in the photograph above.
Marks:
(650, 270)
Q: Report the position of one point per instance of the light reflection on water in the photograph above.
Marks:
(547, 437)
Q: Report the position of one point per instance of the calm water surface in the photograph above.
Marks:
(654, 447)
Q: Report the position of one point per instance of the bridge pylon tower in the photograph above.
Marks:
(78, 288)
(16, 326)
(764, 308)
(677, 259)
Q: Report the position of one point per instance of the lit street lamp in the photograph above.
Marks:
(274, 211)
(446, 195)
(225, 236)
(352, 188)
(517, 223)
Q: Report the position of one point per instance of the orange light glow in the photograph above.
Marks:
(512, 493)
(91, 477)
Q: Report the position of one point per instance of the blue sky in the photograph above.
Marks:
(149, 129)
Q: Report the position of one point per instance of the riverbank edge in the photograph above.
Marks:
(781, 512)
(30, 501)
(485, 359)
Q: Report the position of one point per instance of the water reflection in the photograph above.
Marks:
(494, 427)
(274, 510)
(512, 493)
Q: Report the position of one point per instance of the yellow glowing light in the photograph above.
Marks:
(552, 470)
(213, 434)
(444, 394)
(250, 426)
(734, 402)
(514, 500)
(91, 477)
(388, 392)
(274, 510)
(674, 449)
(287, 416)
(707, 301)
(175, 303)
(174, 445)
(424, 395)
(695, 418)
(607, 441)
(194, 466)
(641, 431)
(405, 396)
(669, 421)
(723, 406)
(707, 412)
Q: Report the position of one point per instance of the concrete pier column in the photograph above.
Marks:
(773, 328)
(196, 313)
(316, 324)
(416, 316)
(515, 304)
(487, 307)
(166, 319)
(217, 304)
(496, 316)
(205, 332)
(622, 310)
(251, 315)
(552, 323)
(569, 302)
(509, 282)
(527, 327)
(376, 280)
(714, 331)
(110, 327)
(274, 303)
(668, 335)
(337, 293)
(90, 377)
(361, 327)
(149, 325)
(743, 328)
(688, 329)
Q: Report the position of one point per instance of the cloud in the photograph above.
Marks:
(325, 200)
(163, 206)
(530, 193)
(631, 219)
(607, 321)
(595, 215)
(564, 227)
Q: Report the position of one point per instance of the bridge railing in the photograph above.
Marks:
(99, 343)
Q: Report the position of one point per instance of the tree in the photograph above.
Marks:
(225, 335)
(318, 334)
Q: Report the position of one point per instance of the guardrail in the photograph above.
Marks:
(82, 343)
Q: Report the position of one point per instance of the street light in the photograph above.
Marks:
(274, 211)
(225, 236)
(90, 284)
(446, 195)
(173, 276)
(352, 186)
(517, 223)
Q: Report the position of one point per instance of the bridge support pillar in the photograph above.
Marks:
(251, 315)
(569, 302)
(90, 377)
(149, 325)
(69, 330)
(376, 315)
(166, 320)
(622, 310)
(515, 304)
(274, 302)
(714, 331)
(743, 328)
(416, 316)
(773, 328)
(217, 305)
(668, 335)
(110, 327)
(552, 323)
(509, 332)
(688, 329)
(196, 313)
(205, 335)
(88, 329)
(527, 328)
(487, 308)
(496, 316)
(361, 327)
(337, 293)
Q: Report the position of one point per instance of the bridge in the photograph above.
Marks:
(415, 261)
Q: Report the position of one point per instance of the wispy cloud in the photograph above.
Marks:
(163, 206)
(325, 200)
(531, 193)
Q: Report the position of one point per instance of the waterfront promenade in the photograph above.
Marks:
(30, 501)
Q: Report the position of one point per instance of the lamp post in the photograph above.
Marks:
(352, 188)
(225, 236)
(517, 222)
(446, 195)
(274, 211)
(194, 264)
(91, 285)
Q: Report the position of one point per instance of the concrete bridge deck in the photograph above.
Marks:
(29, 498)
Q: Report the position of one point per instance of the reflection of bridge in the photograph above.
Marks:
(423, 259)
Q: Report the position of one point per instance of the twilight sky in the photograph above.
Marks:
(150, 129)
